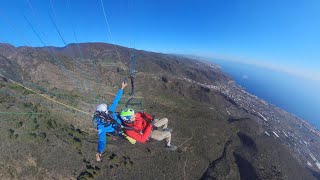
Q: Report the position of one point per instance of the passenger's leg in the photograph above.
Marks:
(161, 122)
(160, 135)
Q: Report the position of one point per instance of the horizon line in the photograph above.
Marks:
(278, 67)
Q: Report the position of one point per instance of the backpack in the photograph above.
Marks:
(103, 118)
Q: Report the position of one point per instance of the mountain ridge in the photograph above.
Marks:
(176, 87)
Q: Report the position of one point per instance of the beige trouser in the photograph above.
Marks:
(160, 135)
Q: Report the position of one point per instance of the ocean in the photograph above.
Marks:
(295, 95)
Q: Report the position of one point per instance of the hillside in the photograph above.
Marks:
(222, 131)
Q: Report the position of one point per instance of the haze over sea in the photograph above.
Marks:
(295, 95)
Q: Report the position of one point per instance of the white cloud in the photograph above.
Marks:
(295, 71)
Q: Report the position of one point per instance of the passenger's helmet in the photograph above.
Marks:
(126, 114)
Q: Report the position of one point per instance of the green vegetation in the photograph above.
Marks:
(74, 136)
(33, 135)
(90, 172)
(107, 62)
(85, 175)
(45, 82)
(19, 124)
(35, 120)
(43, 135)
(28, 105)
(16, 87)
(51, 124)
(116, 161)
(36, 127)
(11, 132)
(70, 97)
(21, 89)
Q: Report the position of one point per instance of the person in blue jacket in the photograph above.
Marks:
(103, 125)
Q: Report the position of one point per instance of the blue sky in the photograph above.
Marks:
(282, 34)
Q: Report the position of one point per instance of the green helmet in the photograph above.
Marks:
(126, 114)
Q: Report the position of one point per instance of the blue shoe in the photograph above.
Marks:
(172, 148)
(168, 130)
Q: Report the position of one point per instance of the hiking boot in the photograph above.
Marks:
(168, 130)
(172, 148)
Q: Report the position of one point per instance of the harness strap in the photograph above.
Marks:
(109, 118)
(131, 128)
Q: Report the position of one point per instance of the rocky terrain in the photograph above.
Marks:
(222, 132)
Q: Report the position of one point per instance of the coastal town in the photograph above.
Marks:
(301, 138)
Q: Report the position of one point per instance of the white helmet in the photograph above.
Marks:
(102, 108)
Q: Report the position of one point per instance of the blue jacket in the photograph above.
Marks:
(102, 130)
